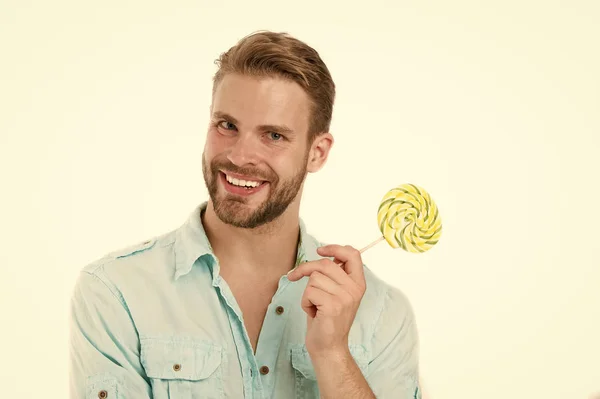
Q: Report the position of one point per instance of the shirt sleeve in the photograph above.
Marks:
(394, 371)
(104, 356)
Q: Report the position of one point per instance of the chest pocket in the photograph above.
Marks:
(305, 377)
(183, 368)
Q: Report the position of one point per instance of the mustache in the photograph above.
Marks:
(230, 167)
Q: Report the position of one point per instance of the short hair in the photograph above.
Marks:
(272, 54)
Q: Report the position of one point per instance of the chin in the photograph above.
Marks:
(233, 210)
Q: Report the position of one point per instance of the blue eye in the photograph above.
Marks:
(275, 136)
(226, 125)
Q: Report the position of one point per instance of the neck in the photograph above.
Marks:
(268, 250)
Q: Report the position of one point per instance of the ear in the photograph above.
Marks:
(319, 152)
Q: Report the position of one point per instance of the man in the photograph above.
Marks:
(209, 310)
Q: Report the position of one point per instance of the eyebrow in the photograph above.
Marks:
(269, 128)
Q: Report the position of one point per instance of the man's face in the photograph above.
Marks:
(255, 157)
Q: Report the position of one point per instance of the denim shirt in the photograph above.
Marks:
(156, 320)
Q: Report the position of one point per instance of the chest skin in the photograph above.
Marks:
(253, 295)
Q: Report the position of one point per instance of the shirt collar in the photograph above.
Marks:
(191, 244)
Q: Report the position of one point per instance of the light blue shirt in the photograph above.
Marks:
(156, 320)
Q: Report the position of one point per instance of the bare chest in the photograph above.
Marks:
(253, 299)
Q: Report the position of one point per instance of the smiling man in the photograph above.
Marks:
(241, 301)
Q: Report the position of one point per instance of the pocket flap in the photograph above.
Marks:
(102, 385)
(179, 359)
(302, 362)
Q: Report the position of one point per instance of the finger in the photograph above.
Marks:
(350, 256)
(323, 282)
(343, 253)
(314, 298)
(325, 266)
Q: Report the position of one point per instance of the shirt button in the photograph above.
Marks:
(279, 310)
(103, 394)
(177, 367)
(264, 370)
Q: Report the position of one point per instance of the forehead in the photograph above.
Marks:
(258, 101)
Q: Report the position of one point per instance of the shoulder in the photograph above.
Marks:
(115, 255)
(386, 299)
(137, 256)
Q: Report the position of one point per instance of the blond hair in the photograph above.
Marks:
(271, 54)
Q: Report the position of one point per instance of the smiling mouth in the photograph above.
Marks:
(243, 183)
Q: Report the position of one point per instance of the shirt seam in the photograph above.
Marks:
(107, 259)
(381, 301)
(119, 297)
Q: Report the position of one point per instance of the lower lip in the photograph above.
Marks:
(233, 189)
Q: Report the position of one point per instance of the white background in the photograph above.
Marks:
(493, 107)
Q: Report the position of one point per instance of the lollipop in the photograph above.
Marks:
(408, 219)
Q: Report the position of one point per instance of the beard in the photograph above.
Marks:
(233, 210)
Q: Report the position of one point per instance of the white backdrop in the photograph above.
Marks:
(490, 106)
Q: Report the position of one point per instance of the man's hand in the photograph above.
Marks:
(331, 298)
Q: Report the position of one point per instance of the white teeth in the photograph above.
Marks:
(242, 183)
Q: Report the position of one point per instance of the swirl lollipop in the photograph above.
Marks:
(408, 219)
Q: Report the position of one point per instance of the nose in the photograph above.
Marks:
(244, 151)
